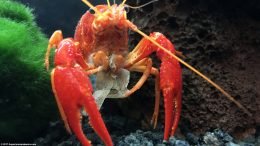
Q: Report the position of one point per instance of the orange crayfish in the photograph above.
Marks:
(100, 47)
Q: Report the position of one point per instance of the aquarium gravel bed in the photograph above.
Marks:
(216, 137)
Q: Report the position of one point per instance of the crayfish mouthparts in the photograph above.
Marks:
(116, 62)
(112, 63)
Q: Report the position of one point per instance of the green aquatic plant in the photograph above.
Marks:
(26, 102)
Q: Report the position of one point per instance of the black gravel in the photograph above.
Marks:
(215, 137)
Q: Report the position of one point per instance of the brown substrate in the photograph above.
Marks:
(222, 41)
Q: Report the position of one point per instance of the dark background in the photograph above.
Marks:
(59, 14)
(219, 37)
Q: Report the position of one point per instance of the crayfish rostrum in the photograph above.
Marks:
(100, 47)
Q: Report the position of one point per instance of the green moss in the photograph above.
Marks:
(16, 12)
(26, 100)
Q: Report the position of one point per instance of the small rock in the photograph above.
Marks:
(131, 139)
(148, 143)
(162, 144)
(219, 133)
(231, 144)
(211, 139)
(174, 142)
(227, 138)
(193, 139)
(245, 144)
(222, 135)
(181, 143)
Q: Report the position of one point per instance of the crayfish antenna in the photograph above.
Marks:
(108, 3)
(134, 28)
(143, 5)
(123, 3)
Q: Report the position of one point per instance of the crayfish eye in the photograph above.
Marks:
(127, 9)
(91, 11)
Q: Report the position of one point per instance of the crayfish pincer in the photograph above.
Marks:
(100, 48)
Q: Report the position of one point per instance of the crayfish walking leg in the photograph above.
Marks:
(170, 79)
